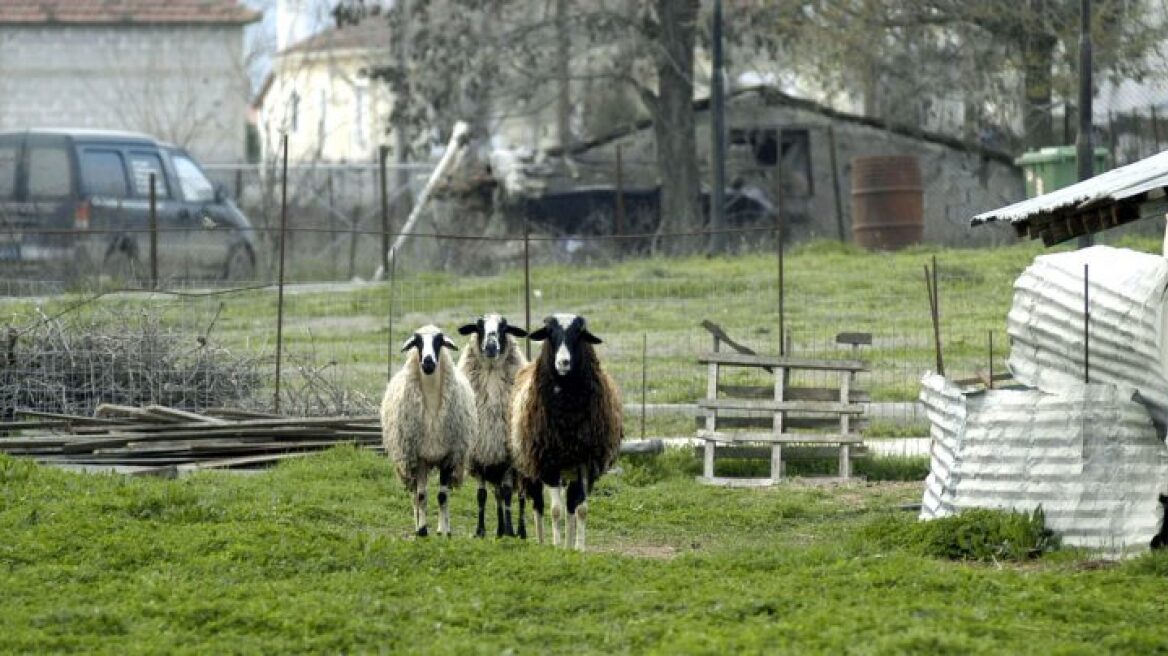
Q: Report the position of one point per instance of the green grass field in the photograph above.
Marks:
(315, 556)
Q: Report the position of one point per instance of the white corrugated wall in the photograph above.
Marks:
(1089, 456)
(1128, 329)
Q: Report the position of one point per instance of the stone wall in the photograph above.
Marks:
(183, 83)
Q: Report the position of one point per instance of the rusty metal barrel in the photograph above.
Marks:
(888, 204)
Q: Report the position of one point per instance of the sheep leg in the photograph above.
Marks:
(577, 512)
(481, 529)
(522, 529)
(536, 492)
(420, 477)
(445, 475)
(505, 490)
(557, 491)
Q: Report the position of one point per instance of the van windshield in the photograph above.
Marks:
(196, 188)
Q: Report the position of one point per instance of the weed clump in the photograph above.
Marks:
(977, 534)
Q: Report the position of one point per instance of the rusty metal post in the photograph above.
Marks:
(280, 288)
(383, 154)
(937, 319)
(153, 232)
(644, 378)
(390, 350)
(991, 382)
(620, 197)
(835, 184)
(527, 282)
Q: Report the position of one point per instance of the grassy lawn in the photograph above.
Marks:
(315, 556)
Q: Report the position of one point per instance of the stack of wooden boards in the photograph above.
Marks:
(166, 441)
(162, 441)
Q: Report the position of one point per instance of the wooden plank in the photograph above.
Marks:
(790, 452)
(784, 438)
(639, 447)
(720, 335)
(75, 420)
(737, 359)
(174, 414)
(781, 406)
(855, 339)
(790, 393)
(736, 482)
(753, 420)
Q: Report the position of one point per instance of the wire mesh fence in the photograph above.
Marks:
(339, 340)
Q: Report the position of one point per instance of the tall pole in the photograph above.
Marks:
(280, 293)
(1083, 149)
(718, 138)
(383, 184)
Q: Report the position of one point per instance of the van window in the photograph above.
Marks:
(7, 170)
(142, 165)
(48, 172)
(196, 188)
(104, 173)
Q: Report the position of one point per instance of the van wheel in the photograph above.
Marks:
(122, 266)
(240, 263)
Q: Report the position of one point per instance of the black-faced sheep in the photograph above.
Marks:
(490, 362)
(565, 422)
(427, 416)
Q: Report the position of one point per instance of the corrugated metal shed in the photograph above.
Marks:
(1089, 456)
(1128, 193)
(1128, 335)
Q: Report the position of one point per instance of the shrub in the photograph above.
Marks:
(977, 534)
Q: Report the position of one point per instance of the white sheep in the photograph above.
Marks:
(427, 416)
(490, 362)
(565, 422)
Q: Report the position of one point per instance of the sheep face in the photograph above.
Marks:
(564, 332)
(492, 331)
(429, 341)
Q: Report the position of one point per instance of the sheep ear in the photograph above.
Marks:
(538, 335)
(448, 344)
(409, 343)
(516, 331)
(589, 337)
(468, 329)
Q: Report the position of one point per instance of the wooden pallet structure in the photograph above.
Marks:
(769, 420)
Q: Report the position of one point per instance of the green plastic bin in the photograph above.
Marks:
(1055, 167)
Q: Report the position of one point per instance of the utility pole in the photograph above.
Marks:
(1084, 151)
(718, 137)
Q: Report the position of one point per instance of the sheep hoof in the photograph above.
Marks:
(480, 532)
(522, 532)
(422, 532)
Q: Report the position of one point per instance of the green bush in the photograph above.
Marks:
(976, 534)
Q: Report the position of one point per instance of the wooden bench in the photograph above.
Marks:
(739, 419)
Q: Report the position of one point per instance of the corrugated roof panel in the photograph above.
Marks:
(1123, 182)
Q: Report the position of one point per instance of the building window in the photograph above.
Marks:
(764, 153)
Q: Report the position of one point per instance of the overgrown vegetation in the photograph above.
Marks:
(314, 556)
(977, 534)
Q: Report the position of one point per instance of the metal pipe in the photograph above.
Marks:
(718, 137)
(153, 232)
(280, 280)
(1083, 147)
(1086, 325)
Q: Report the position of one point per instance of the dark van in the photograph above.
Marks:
(78, 202)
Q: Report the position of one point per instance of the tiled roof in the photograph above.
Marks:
(124, 12)
(371, 33)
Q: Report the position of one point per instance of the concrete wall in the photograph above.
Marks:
(182, 83)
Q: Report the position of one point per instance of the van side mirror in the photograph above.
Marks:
(220, 192)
